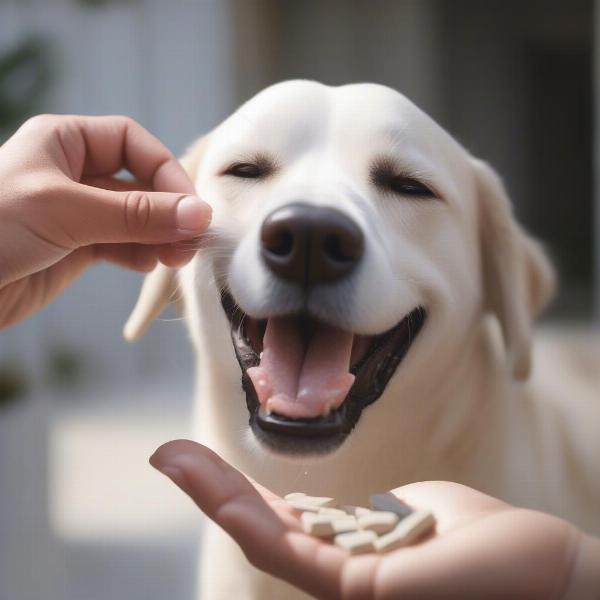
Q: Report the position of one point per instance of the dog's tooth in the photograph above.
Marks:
(379, 521)
(389, 502)
(328, 408)
(268, 406)
(356, 542)
(407, 531)
(260, 355)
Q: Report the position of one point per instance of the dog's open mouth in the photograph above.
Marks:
(307, 382)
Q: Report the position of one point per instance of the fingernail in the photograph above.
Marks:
(174, 473)
(193, 215)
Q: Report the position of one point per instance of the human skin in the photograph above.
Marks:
(481, 546)
(62, 208)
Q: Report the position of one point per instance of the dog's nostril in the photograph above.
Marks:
(279, 241)
(341, 249)
(310, 244)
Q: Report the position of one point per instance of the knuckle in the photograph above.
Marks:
(138, 208)
(42, 122)
(127, 122)
(130, 121)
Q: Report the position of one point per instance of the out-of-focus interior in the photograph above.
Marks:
(82, 515)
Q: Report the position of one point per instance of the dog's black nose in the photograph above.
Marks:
(310, 244)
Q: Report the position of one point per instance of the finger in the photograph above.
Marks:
(271, 539)
(106, 144)
(116, 142)
(143, 258)
(92, 215)
(136, 257)
(173, 255)
(115, 184)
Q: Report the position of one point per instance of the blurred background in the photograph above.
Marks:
(82, 515)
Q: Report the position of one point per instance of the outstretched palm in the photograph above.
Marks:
(481, 548)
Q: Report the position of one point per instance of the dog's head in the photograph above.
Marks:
(354, 246)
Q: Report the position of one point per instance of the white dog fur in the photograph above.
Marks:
(463, 404)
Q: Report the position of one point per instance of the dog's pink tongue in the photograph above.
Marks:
(300, 381)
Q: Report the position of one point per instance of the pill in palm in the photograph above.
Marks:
(321, 525)
(336, 512)
(389, 502)
(406, 532)
(379, 521)
(357, 511)
(320, 501)
(387, 525)
(301, 505)
(295, 495)
(356, 542)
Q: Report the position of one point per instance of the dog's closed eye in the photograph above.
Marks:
(385, 176)
(244, 170)
(257, 168)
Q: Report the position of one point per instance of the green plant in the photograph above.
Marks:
(14, 383)
(65, 367)
(25, 73)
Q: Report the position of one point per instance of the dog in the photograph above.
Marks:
(361, 311)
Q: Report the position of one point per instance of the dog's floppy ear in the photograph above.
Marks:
(160, 286)
(518, 278)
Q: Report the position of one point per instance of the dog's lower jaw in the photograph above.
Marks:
(406, 433)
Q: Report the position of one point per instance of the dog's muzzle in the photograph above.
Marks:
(307, 380)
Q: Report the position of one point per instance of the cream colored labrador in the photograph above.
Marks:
(361, 312)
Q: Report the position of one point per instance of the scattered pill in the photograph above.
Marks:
(357, 511)
(387, 525)
(406, 532)
(337, 512)
(295, 495)
(379, 521)
(299, 504)
(389, 502)
(356, 542)
(320, 501)
(327, 525)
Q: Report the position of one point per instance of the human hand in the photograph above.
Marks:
(481, 548)
(62, 208)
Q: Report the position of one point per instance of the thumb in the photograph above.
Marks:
(93, 215)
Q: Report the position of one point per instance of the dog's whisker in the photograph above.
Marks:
(169, 319)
